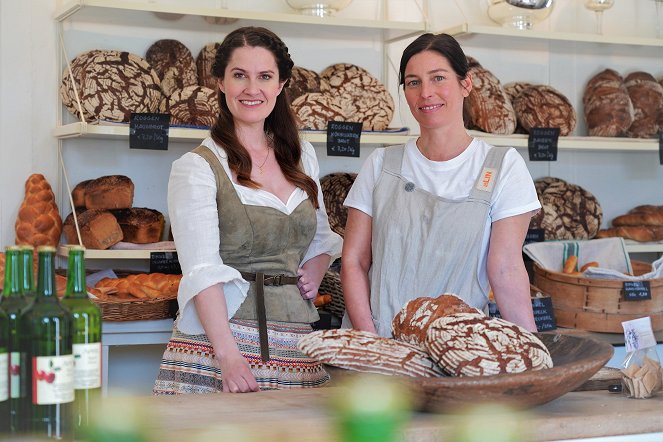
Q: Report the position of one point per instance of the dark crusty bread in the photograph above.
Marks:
(472, 344)
(544, 106)
(78, 194)
(363, 351)
(412, 322)
(99, 229)
(607, 106)
(488, 107)
(140, 225)
(204, 63)
(194, 105)
(302, 82)
(647, 98)
(109, 192)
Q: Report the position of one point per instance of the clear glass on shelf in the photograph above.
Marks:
(519, 14)
(321, 8)
(598, 6)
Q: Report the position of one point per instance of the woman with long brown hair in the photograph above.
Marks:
(251, 233)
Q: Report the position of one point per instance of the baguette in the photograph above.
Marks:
(570, 264)
(588, 265)
(643, 218)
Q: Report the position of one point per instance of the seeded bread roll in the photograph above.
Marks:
(412, 322)
(194, 105)
(472, 344)
(647, 98)
(204, 62)
(544, 106)
(99, 229)
(488, 107)
(367, 352)
(140, 225)
(109, 192)
(607, 106)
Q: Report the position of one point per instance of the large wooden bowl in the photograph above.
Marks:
(575, 360)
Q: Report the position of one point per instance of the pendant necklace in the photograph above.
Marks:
(265, 160)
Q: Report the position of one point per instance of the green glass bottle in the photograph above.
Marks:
(46, 336)
(4, 374)
(27, 264)
(15, 305)
(86, 337)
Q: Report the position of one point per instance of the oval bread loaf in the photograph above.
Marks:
(367, 352)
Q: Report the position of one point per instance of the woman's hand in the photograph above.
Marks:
(236, 374)
(311, 274)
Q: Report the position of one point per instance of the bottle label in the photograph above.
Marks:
(4, 380)
(52, 379)
(87, 366)
(15, 374)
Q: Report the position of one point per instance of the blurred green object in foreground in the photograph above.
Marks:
(489, 422)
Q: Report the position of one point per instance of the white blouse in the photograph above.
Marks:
(195, 225)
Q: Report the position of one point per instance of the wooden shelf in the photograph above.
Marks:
(497, 31)
(643, 247)
(63, 250)
(395, 30)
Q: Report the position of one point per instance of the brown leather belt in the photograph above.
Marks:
(261, 281)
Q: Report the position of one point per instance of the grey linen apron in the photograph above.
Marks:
(265, 245)
(423, 244)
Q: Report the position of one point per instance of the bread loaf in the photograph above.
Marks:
(639, 219)
(647, 98)
(488, 107)
(335, 188)
(193, 105)
(314, 110)
(472, 344)
(514, 89)
(165, 54)
(109, 192)
(38, 222)
(636, 233)
(140, 225)
(204, 63)
(78, 194)
(607, 106)
(99, 229)
(411, 323)
(367, 352)
(302, 82)
(141, 286)
(544, 106)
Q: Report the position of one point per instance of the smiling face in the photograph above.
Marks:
(433, 91)
(251, 84)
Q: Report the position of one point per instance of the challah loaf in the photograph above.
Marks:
(141, 285)
(38, 222)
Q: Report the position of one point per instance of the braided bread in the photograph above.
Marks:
(141, 286)
(38, 222)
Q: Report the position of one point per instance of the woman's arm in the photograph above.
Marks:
(356, 263)
(506, 270)
(311, 274)
(213, 313)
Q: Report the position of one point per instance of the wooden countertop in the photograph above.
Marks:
(305, 415)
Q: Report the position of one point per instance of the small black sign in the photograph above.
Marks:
(660, 147)
(149, 131)
(343, 139)
(544, 316)
(535, 235)
(542, 143)
(165, 262)
(637, 290)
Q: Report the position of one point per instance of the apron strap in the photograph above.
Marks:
(393, 159)
(490, 171)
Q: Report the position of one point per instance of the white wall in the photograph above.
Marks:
(29, 75)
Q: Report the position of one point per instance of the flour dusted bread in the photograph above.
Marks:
(172, 55)
(544, 106)
(193, 105)
(109, 192)
(140, 225)
(315, 109)
(38, 222)
(647, 98)
(99, 229)
(335, 188)
(488, 107)
(411, 323)
(607, 105)
(367, 352)
(204, 63)
(302, 82)
(472, 344)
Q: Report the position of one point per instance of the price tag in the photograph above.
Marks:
(149, 131)
(637, 290)
(343, 139)
(544, 316)
(542, 143)
(535, 235)
(165, 262)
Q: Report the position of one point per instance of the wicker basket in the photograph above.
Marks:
(598, 304)
(136, 310)
(331, 285)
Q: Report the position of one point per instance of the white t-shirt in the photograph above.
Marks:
(195, 224)
(514, 192)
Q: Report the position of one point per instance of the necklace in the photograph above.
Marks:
(265, 160)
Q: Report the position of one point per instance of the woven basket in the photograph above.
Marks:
(136, 310)
(331, 285)
(598, 304)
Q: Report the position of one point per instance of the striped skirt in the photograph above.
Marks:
(190, 366)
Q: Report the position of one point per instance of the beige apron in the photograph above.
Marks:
(423, 244)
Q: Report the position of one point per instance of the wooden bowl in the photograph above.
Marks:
(575, 360)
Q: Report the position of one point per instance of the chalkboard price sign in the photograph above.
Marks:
(535, 235)
(544, 317)
(165, 262)
(149, 131)
(542, 143)
(637, 290)
(343, 139)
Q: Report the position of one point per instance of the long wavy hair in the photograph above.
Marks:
(280, 124)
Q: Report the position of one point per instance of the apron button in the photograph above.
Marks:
(409, 187)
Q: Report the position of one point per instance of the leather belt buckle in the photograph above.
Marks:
(276, 279)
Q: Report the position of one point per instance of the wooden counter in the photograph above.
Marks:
(304, 415)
